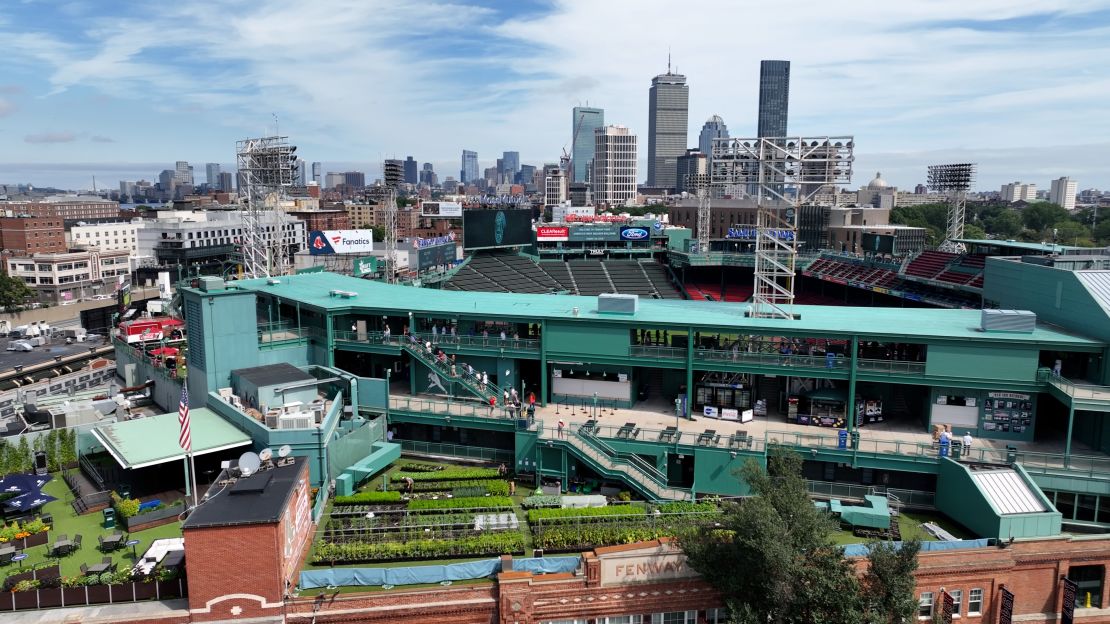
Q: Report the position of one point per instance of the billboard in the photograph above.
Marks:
(749, 233)
(441, 209)
(503, 227)
(434, 255)
(367, 265)
(552, 233)
(877, 243)
(635, 234)
(595, 232)
(340, 242)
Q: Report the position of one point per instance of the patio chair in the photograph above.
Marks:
(107, 561)
(6, 558)
(77, 541)
(84, 570)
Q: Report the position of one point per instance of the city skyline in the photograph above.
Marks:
(83, 94)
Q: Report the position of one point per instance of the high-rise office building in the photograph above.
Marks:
(411, 175)
(468, 173)
(510, 164)
(212, 174)
(428, 175)
(714, 128)
(1062, 192)
(614, 174)
(354, 179)
(585, 121)
(527, 176)
(693, 162)
(317, 172)
(183, 172)
(668, 118)
(393, 172)
(226, 184)
(774, 98)
(555, 185)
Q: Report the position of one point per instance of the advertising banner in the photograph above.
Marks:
(366, 265)
(447, 210)
(1006, 607)
(436, 255)
(749, 233)
(877, 243)
(635, 234)
(552, 234)
(595, 232)
(326, 242)
(1067, 610)
(505, 227)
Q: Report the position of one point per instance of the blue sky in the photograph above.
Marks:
(122, 89)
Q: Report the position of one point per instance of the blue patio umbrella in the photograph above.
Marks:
(26, 502)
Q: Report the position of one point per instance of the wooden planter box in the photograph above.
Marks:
(170, 589)
(38, 539)
(26, 600)
(51, 597)
(98, 593)
(74, 596)
(145, 590)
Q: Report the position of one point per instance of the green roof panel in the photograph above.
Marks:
(150, 441)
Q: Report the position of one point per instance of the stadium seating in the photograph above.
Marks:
(929, 264)
(506, 272)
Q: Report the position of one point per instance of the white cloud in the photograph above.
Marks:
(50, 137)
(357, 81)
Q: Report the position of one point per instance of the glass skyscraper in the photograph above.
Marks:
(714, 128)
(411, 176)
(774, 97)
(668, 109)
(585, 120)
(469, 171)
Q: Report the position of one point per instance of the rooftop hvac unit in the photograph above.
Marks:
(236, 401)
(272, 418)
(299, 421)
(319, 408)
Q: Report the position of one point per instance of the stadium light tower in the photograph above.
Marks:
(787, 172)
(265, 172)
(393, 176)
(955, 181)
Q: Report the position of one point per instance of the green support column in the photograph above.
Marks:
(850, 415)
(543, 363)
(1067, 442)
(689, 372)
(331, 340)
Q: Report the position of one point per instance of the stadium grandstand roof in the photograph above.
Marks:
(1020, 245)
(333, 292)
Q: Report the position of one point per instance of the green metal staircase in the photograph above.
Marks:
(628, 467)
(419, 352)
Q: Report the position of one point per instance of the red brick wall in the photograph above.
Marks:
(243, 559)
(31, 235)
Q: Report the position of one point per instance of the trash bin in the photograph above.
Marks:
(855, 440)
(1011, 454)
(109, 518)
(842, 439)
(956, 449)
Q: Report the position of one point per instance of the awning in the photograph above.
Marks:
(151, 441)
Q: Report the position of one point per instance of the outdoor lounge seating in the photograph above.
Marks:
(708, 437)
(111, 542)
(670, 434)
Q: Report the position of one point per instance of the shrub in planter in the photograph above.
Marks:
(575, 537)
(587, 514)
(488, 486)
(125, 507)
(450, 474)
(497, 543)
(26, 585)
(369, 498)
(688, 507)
(538, 501)
(421, 467)
(487, 502)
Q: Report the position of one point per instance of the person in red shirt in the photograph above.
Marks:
(492, 404)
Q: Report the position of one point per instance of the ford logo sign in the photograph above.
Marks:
(634, 233)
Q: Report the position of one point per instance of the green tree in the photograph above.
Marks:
(1039, 216)
(1006, 224)
(1071, 233)
(379, 233)
(24, 457)
(973, 231)
(68, 453)
(1102, 233)
(13, 291)
(888, 585)
(792, 571)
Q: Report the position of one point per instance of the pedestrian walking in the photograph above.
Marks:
(514, 395)
(492, 404)
(967, 443)
(560, 426)
(385, 334)
(485, 379)
(531, 398)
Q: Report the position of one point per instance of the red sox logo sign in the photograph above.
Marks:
(318, 242)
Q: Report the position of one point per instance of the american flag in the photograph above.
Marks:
(185, 440)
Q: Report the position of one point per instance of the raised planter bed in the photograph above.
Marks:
(152, 519)
(38, 539)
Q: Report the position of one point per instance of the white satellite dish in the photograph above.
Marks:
(285, 450)
(265, 455)
(249, 463)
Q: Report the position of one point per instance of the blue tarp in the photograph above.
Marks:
(412, 575)
(860, 550)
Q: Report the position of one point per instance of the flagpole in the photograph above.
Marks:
(193, 475)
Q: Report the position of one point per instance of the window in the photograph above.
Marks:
(675, 617)
(925, 605)
(1089, 580)
(716, 616)
(622, 619)
(957, 598)
(975, 602)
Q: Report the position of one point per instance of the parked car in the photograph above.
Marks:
(102, 297)
(20, 345)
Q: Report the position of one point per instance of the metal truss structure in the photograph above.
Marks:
(785, 173)
(701, 184)
(393, 176)
(266, 169)
(954, 180)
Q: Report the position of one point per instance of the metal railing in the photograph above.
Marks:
(772, 359)
(439, 341)
(461, 409)
(891, 366)
(1075, 390)
(456, 450)
(652, 351)
(284, 331)
(910, 498)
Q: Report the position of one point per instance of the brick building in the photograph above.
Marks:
(245, 544)
(30, 235)
(65, 206)
(320, 220)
